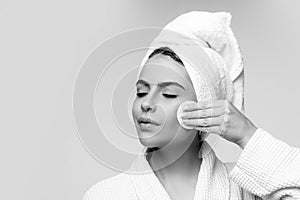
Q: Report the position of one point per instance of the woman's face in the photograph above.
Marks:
(160, 102)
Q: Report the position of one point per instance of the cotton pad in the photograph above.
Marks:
(203, 135)
(179, 111)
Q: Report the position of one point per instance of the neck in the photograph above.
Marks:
(177, 160)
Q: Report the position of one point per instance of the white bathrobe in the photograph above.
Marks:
(266, 169)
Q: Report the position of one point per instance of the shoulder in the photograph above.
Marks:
(115, 187)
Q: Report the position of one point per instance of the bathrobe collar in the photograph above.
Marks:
(212, 183)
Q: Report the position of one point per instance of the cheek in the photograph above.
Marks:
(171, 111)
(135, 109)
(166, 111)
(170, 115)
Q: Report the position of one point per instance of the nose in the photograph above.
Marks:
(147, 107)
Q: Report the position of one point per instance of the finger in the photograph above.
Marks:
(206, 113)
(203, 105)
(213, 121)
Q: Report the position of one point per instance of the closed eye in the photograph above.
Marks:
(170, 95)
(141, 94)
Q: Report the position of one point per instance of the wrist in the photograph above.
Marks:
(248, 133)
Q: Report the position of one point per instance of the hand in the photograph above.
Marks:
(220, 117)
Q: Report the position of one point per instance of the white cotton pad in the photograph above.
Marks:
(179, 111)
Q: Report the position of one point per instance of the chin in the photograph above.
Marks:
(152, 142)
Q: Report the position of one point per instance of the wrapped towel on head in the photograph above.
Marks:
(206, 44)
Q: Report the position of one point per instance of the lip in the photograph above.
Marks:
(146, 125)
(146, 119)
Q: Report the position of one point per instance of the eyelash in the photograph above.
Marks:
(170, 96)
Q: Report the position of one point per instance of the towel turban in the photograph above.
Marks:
(209, 50)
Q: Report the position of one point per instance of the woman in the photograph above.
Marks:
(195, 62)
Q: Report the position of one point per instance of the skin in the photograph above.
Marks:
(178, 153)
(177, 159)
(162, 68)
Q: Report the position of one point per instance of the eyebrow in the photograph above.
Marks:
(162, 84)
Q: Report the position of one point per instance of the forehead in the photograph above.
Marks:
(162, 68)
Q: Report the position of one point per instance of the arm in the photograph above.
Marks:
(268, 168)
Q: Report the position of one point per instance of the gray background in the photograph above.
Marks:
(43, 43)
